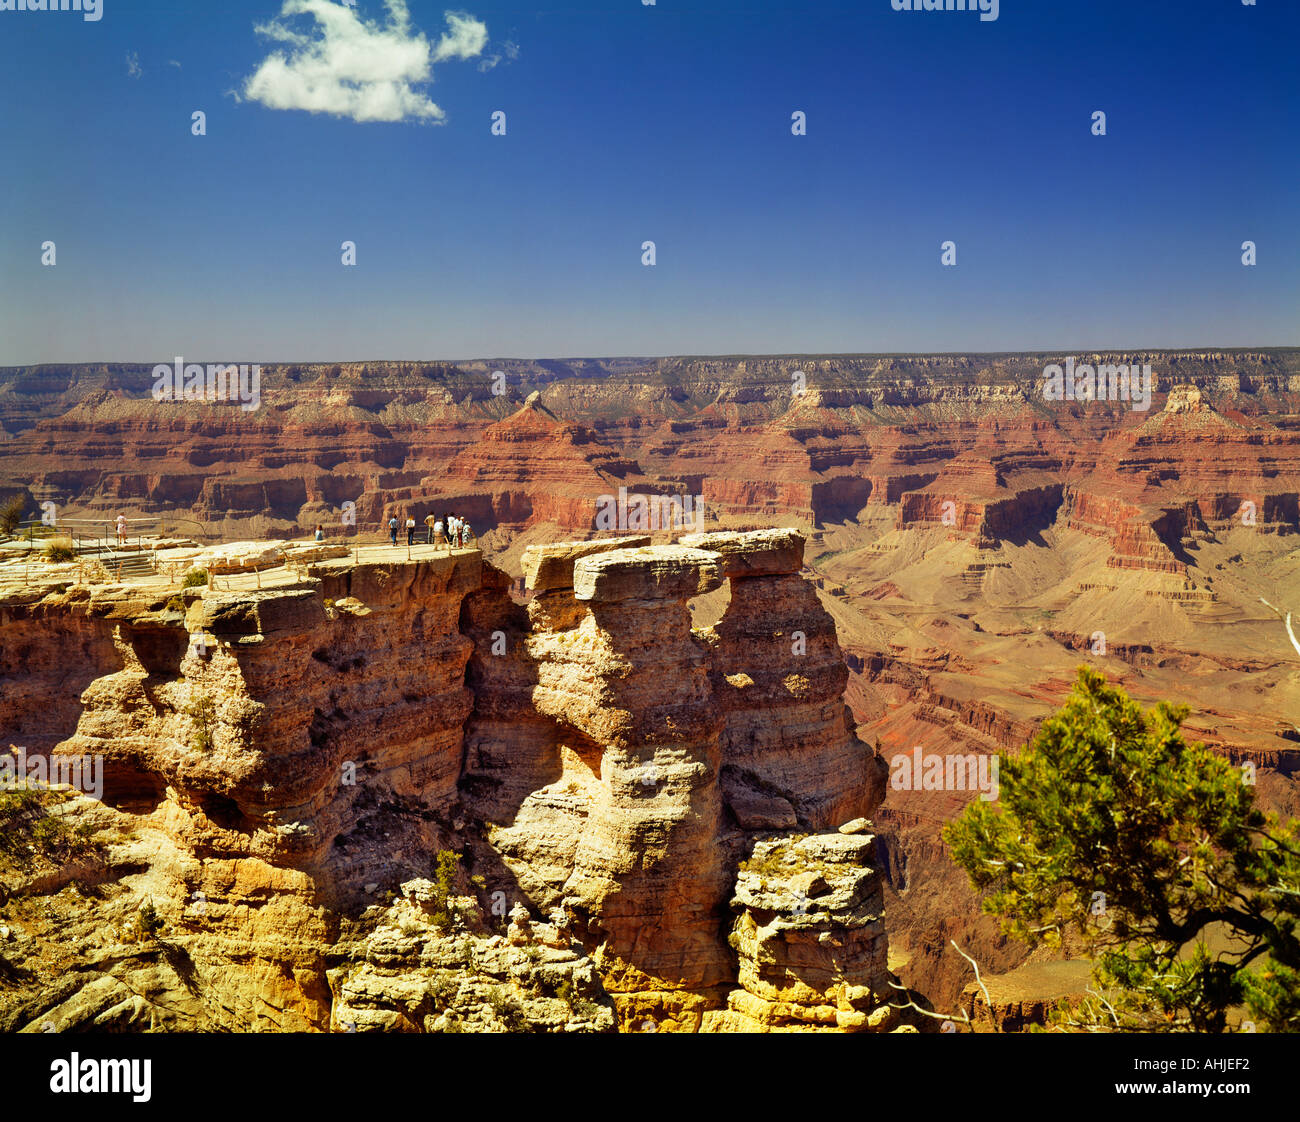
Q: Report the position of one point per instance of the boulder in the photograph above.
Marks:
(232, 615)
(548, 567)
(756, 553)
(658, 572)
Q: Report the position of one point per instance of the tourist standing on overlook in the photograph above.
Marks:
(429, 526)
(392, 529)
(121, 529)
(320, 532)
(439, 537)
(410, 529)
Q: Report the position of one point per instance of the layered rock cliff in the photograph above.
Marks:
(513, 443)
(324, 799)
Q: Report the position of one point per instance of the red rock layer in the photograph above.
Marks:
(973, 430)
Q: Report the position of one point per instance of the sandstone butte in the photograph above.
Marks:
(661, 827)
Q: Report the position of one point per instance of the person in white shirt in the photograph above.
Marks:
(410, 530)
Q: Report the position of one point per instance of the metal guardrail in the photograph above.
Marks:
(161, 525)
(423, 535)
(33, 529)
(87, 533)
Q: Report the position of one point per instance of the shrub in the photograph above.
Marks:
(582, 1008)
(60, 551)
(445, 888)
(507, 1010)
(150, 924)
(17, 809)
(771, 865)
(445, 989)
(203, 712)
(11, 514)
(26, 824)
(194, 578)
(175, 604)
(47, 833)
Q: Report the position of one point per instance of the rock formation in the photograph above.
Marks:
(288, 770)
(810, 936)
(542, 447)
(779, 677)
(644, 796)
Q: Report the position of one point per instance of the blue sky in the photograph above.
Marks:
(671, 123)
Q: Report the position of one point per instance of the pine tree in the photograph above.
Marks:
(1112, 824)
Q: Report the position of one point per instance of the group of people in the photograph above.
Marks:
(455, 532)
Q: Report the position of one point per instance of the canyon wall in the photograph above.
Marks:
(818, 437)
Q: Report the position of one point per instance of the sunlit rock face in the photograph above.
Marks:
(282, 761)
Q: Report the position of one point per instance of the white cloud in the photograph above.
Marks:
(351, 67)
(173, 62)
(466, 39)
(133, 67)
(508, 49)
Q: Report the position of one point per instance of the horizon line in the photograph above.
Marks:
(685, 355)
